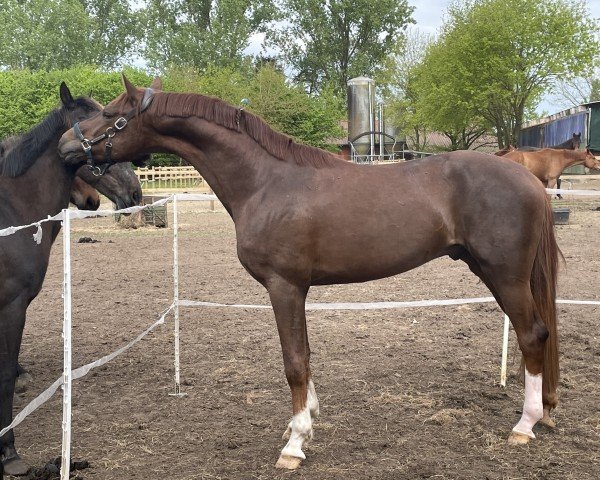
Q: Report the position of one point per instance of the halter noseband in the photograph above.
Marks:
(120, 124)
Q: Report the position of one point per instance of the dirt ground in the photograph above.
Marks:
(405, 394)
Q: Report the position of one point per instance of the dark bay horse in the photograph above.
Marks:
(305, 217)
(548, 163)
(35, 183)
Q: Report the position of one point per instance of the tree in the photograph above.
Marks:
(309, 119)
(58, 34)
(444, 102)
(397, 81)
(330, 42)
(500, 55)
(187, 33)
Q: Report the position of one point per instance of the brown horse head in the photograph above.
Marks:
(122, 111)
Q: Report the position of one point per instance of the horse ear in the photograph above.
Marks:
(156, 84)
(130, 88)
(65, 95)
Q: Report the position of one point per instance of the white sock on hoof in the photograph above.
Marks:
(301, 432)
(533, 408)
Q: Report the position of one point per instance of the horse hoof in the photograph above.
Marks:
(517, 438)
(22, 382)
(287, 462)
(16, 467)
(546, 420)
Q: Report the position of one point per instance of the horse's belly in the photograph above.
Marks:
(347, 263)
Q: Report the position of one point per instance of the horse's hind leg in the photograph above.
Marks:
(288, 303)
(519, 305)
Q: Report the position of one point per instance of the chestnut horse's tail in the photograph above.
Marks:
(543, 287)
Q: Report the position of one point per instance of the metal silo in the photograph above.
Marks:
(361, 114)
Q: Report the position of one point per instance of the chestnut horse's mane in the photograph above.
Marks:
(282, 147)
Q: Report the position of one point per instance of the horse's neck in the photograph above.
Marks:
(569, 158)
(233, 164)
(44, 189)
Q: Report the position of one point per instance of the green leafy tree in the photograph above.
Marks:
(58, 34)
(397, 83)
(186, 33)
(499, 56)
(310, 119)
(327, 43)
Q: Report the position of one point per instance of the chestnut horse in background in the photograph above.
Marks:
(548, 163)
(306, 217)
(572, 143)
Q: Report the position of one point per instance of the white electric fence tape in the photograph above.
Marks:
(376, 305)
(78, 373)
(583, 193)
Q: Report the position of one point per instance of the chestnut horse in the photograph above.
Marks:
(548, 163)
(305, 217)
(41, 185)
(572, 143)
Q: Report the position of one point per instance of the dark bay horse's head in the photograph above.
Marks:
(84, 196)
(576, 141)
(23, 151)
(119, 183)
(88, 141)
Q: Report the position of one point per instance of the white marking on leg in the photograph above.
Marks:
(312, 402)
(533, 407)
(301, 431)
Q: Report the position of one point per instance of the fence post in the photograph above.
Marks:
(212, 202)
(177, 392)
(504, 351)
(65, 466)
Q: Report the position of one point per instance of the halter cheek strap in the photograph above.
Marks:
(120, 124)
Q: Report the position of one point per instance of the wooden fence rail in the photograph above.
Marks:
(171, 177)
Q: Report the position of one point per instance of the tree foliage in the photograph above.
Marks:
(327, 43)
(58, 34)
(186, 33)
(310, 119)
(495, 58)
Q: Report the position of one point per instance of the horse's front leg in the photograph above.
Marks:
(12, 321)
(288, 301)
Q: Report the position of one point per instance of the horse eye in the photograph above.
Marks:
(106, 114)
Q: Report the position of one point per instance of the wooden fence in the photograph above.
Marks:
(171, 177)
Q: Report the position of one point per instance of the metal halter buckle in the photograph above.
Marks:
(121, 123)
(85, 144)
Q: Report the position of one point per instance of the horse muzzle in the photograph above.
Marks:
(69, 148)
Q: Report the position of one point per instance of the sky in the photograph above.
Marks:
(429, 15)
